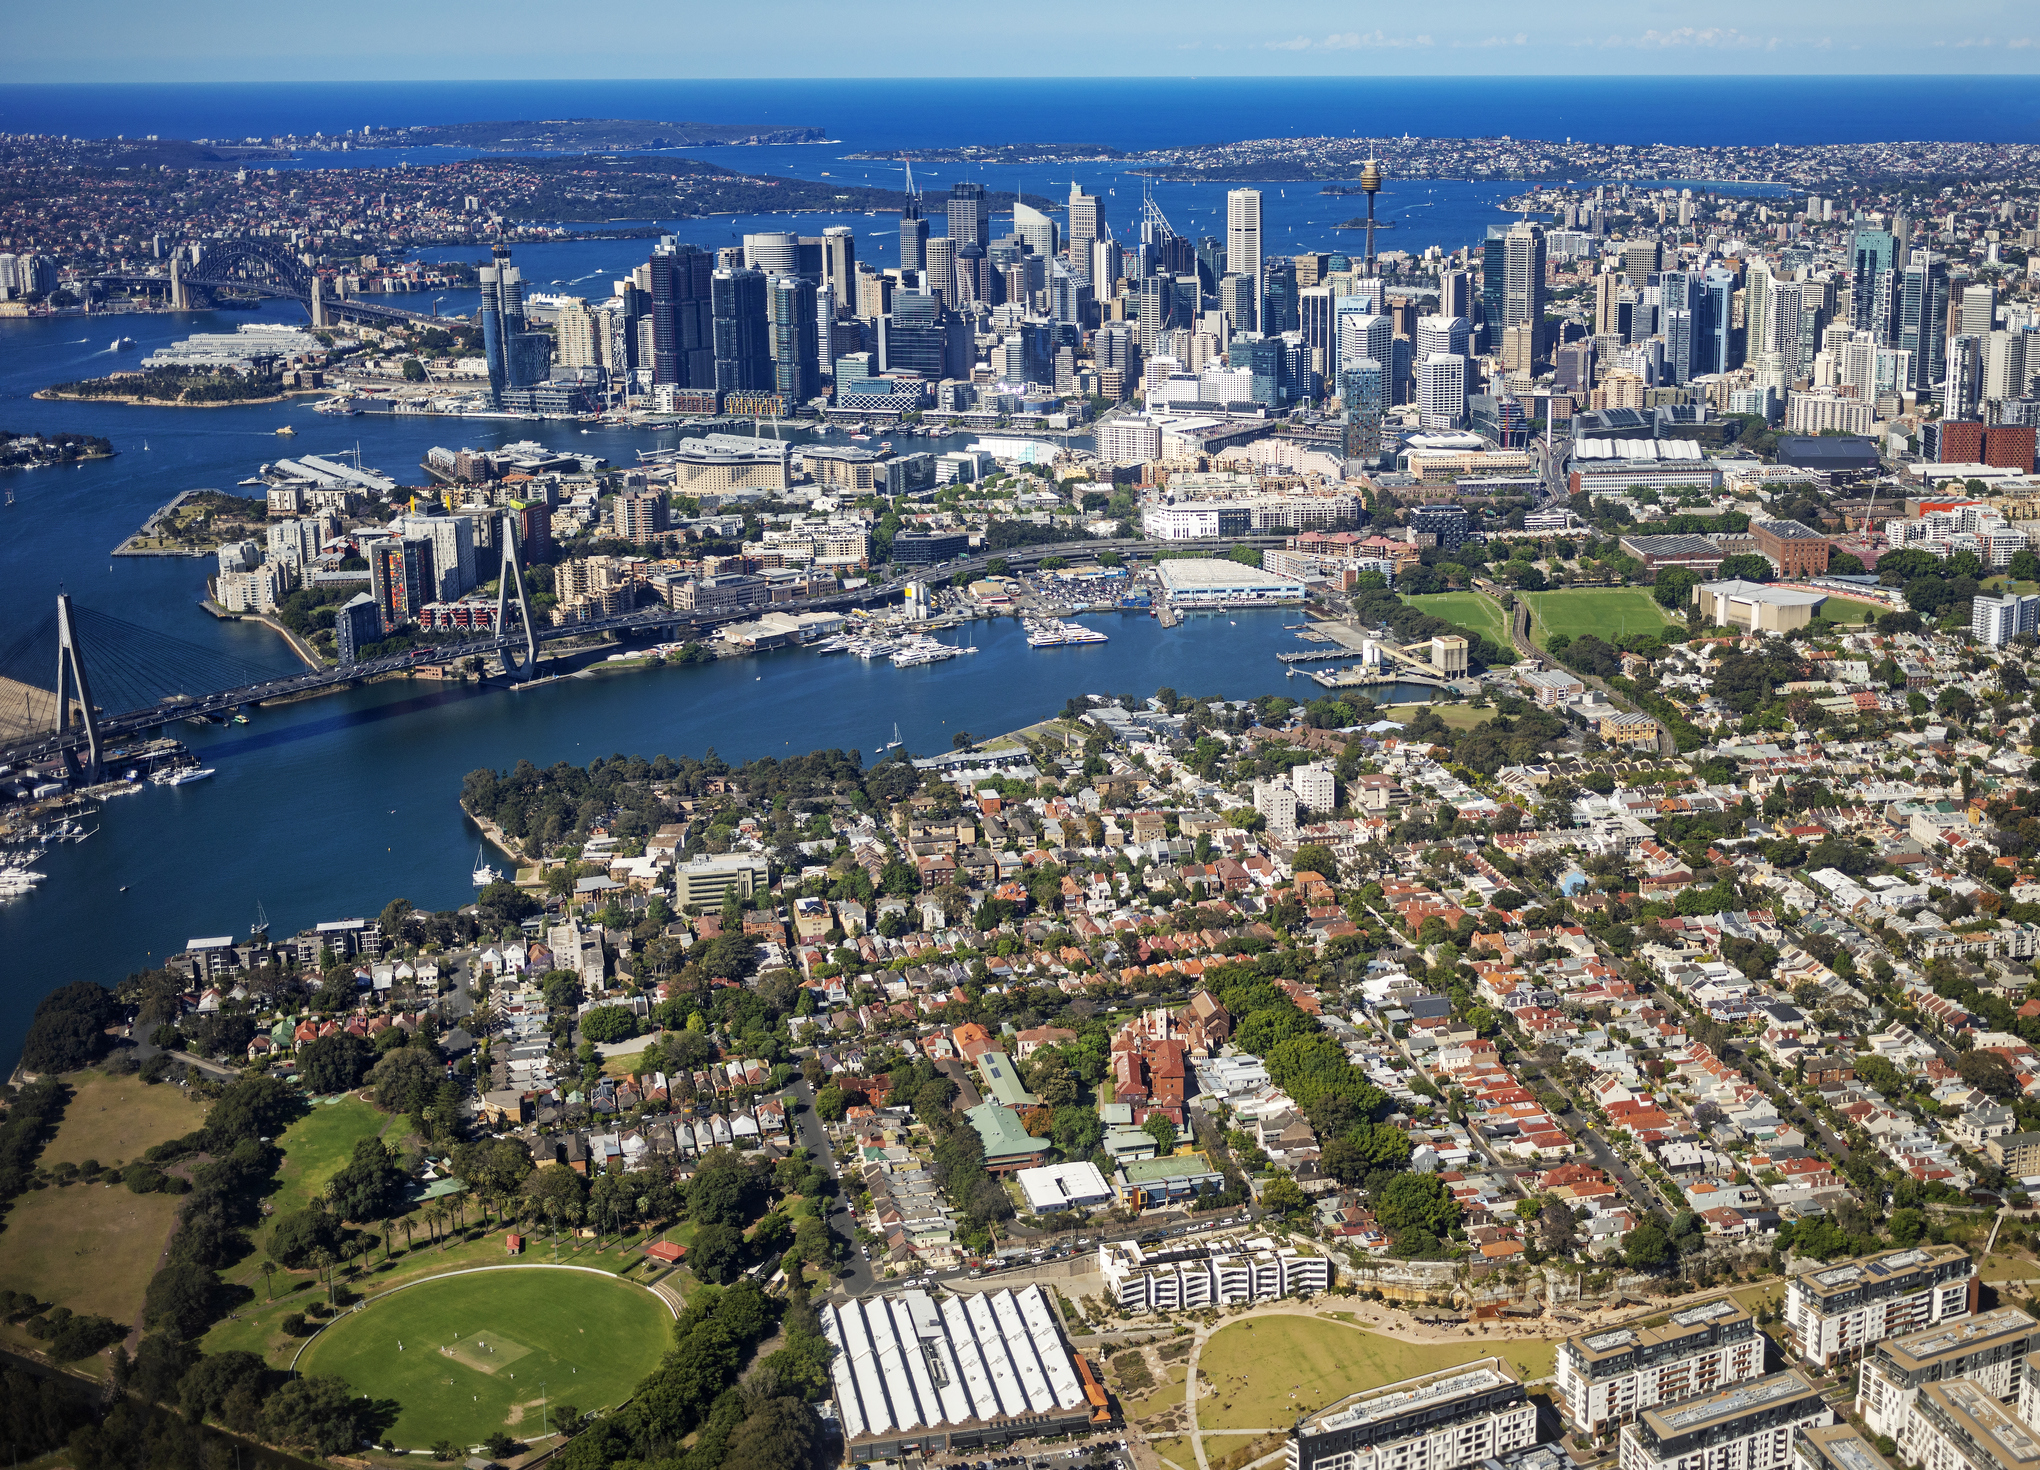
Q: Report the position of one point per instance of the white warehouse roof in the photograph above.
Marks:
(1687, 449)
(903, 1362)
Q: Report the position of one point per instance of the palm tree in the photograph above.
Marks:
(410, 1223)
(322, 1261)
(269, 1269)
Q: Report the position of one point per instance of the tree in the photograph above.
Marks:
(1673, 588)
(300, 1235)
(1162, 1131)
(180, 1299)
(831, 1104)
(68, 1031)
(606, 1025)
(335, 1063)
(321, 1414)
(1416, 1201)
(1648, 1247)
(1747, 566)
(717, 1254)
(779, 1434)
(1281, 1196)
(1315, 857)
(1988, 1071)
(406, 1079)
(370, 1185)
(720, 1192)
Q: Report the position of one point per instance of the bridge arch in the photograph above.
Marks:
(268, 265)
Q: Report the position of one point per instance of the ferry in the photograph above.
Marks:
(121, 344)
(287, 430)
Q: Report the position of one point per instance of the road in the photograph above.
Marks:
(1788, 1105)
(856, 1276)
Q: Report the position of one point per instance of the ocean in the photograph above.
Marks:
(1130, 113)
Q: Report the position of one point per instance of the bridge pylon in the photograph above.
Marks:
(517, 666)
(71, 675)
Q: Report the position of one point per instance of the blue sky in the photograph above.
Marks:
(262, 40)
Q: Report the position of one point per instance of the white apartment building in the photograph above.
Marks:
(1213, 1273)
(1440, 1421)
(1959, 1426)
(1748, 1426)
(1315, 786)
(1606, 1379)
(1835, 1314)
(258, 590)
(1276, 800)
(1989, 1350)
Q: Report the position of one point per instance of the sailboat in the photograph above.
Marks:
(483, 875)
(894, 743)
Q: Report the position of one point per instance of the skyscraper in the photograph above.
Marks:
(1365, 336)
(1874, 256)
(516, 356)
(1979, 309)
(796, 363)
(743, 354)
(1922, 317)
(913, 233)
(1523, 286)
(970, 215)
(1363, 398)
(1494, 273)
(1278, 297)
(1455, 294)
(1036, 229)
(1757, 337)
(683, 325)
(1243, 240)
(1715, 343)
(1087, 223)
(1437, 334)
(1607, 304)
(400, 576)
(775, 252)
(941, 268)
(1441, 391)
(839, 263)
(1105, 267)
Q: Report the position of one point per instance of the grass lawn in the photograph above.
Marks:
(2007, 1268)
(509, 1339)
(314, 1149)
(1611, 613)
(1455, 716)
(1842, 610)
(116, 1119)
(1270, 1369)
(1177, 1451)
(89, 1247)
(1167, 1394)
(1474, 611)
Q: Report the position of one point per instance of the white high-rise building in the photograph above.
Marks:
(1315, 786)
(1036, 229)
(1442, 334)
(1441, 391)
(1441, 1421)
(1989, 1350)
(1243, 240)
(1979, 309)
(1364, 337)
(2008, 364)
(1087, 225)
(453, 552)
(1997, 620)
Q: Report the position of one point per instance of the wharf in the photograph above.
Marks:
(1358, 678)
(1315, 655)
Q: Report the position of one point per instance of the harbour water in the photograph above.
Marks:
(330, 808)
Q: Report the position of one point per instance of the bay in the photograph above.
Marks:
(331, 807)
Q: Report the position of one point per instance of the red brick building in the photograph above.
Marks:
(1799, 551)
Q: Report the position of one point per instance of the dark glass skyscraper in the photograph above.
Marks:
(1922, 319)
(970, 215)
(1874, 259)
(516, 356)
(743, 352)
(683, 325)
(796, 366)
(1494, 274)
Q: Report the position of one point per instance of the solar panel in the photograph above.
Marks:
(1601, 1342)
(1705, 1312)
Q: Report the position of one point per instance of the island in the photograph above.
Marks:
(175, 387)
(20, 451)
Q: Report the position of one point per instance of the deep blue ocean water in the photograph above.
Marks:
(1121, 112)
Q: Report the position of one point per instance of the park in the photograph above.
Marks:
(496, 1349)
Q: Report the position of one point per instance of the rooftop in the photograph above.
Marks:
(1960, 1338)
(1198, 571)
(1692, 1415)
(1396, 1399)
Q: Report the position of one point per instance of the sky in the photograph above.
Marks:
(400, 40)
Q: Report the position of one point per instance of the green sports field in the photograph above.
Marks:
(1842, 610)
(1473, 611)
(1611, 613)
(466, 1355)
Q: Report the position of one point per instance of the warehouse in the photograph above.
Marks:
(1193, 582)
(914, 1376)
